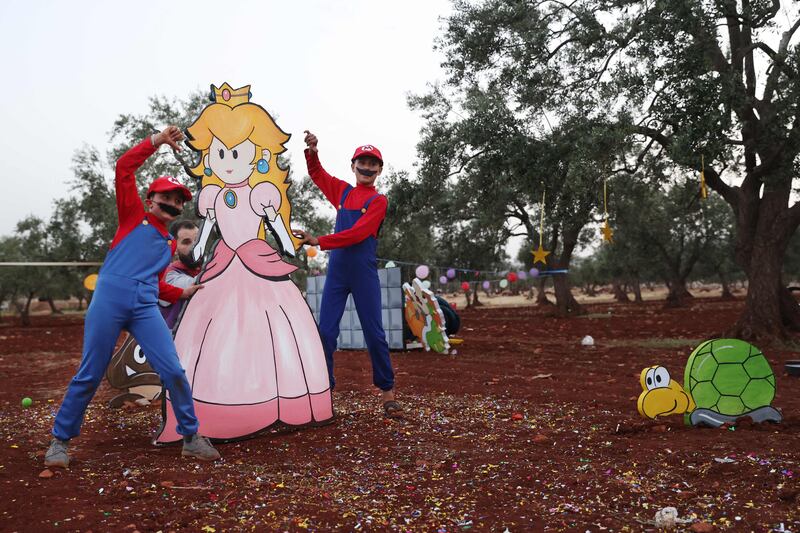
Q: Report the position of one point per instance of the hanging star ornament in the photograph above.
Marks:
(608, 233)
(539, 255)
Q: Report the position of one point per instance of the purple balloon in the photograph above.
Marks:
(443, 280)
(534, 272)
(522, 274)
(486, 285)
(451, 273)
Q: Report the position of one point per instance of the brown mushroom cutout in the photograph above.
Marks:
(130, 371)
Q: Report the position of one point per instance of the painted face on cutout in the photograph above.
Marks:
(129, 367)
(231, 165)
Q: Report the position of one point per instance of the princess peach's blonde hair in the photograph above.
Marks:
(232, 126)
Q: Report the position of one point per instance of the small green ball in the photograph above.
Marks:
(27, 402)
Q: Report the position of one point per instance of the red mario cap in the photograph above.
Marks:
(169, 183)
(367, 150)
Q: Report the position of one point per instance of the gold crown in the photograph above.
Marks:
(229, 96)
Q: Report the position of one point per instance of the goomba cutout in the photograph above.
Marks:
(130, 371)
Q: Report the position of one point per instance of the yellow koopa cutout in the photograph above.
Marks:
(90, 282)
(662, 395)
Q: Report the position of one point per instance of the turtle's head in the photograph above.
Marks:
(662, 395)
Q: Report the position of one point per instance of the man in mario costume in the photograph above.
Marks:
(353, 265)
(126, 297)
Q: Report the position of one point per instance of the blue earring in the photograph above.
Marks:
(207, 171)
(262, 166)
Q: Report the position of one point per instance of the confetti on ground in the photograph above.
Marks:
(534, 435)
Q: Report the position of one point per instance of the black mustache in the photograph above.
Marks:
(365, 172)
(169, 209)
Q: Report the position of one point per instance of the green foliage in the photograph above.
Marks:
(679, 79)
(411, 215)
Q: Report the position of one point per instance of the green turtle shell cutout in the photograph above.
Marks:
(729, 378)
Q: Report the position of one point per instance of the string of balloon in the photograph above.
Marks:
(423, 271)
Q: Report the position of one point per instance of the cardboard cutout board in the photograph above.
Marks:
(248, 340)
(130, 372)
(724, 379)
(351, 336)
(424, 317)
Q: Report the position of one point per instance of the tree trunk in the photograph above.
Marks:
(475, 301)
(53, 309)
(469, 299)
(637, 290)
(764, 229)
(25, 311)
(769, 308)
(678, 293)
(619, 294)
(530, 295)
(566, 304)
(726, 290)
(541, 297)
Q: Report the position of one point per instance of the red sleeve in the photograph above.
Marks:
(367, 225)
(168, 293)
(331, 187)
(130, 209)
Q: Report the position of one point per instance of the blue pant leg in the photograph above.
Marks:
(104, 321)
(152, 334)
(334, 298)
(367, 297)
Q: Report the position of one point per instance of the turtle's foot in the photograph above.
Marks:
(707, 417)
(766, 414)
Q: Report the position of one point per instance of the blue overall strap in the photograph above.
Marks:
(344, 196)
(364, 210)
(369, 201)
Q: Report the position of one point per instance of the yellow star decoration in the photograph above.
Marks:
(608, 233)
(539, 255)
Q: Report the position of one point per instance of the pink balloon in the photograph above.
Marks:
(422, 271)
(443, 280)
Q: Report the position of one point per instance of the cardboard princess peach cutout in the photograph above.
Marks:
(247, 340)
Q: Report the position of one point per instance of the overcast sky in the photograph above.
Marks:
(341, 69)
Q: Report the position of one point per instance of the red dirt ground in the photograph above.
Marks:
(487, 443)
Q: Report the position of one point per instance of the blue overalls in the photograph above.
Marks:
(354, 269)
(126, 297)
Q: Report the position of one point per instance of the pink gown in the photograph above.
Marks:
(248, 342)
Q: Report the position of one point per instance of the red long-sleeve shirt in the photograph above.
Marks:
(333, 188)
(130, 209)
